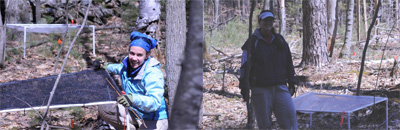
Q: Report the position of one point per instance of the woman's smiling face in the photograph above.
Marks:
(137, 56)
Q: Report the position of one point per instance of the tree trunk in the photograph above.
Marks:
(366, 47)
(282, 21)
(333, 40)
(243, 8)
(216, 7)
(2, 42)
(378, 20)
(149, 11)
(37, 11)
(297, 19)
(365, 17)
(175, 43)
(251, 119)
(345, 52)
(315, 52)
(358, 20)
(397, 14)
(189, 97)
(266, 5)
(16, 12)
(271, 6)
(331, 6)
(238, 5)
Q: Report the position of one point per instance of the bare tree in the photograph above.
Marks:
(175, 44)
(244, 5)
(397, 14)
(149, 13)
(333, 40)
(37, 11)
(282, 18)
(331, 6)
(2, 42)
(188, 100)
(16, 12)
(315, 52)
(366, 46)
(345, 52)
(251, 121)
(216, 10)
(358, 20)
(266, 5)
(365, 17)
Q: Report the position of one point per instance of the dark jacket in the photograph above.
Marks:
(271, 64)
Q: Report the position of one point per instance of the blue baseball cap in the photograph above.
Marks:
(266, 15)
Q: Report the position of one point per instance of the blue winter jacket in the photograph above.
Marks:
(146, 88)
(271, 62)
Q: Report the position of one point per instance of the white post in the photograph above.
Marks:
(127, 121)
(24, 42)
(94, 43)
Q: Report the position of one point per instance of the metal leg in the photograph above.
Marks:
(311, 120)
(387, 120)
(94, 44)
(24, 42)
(348, 119)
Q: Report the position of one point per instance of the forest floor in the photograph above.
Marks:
(227, 110)
(223, 106)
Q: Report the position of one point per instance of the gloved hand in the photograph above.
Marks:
(125, 100)
(292, 89)
(104, 66)
(96, 65)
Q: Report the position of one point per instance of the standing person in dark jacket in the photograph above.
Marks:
(271, 68)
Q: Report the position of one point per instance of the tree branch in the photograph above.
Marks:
(366, 47)
(218, 50)
(62, 68)
(29, 106)
(63, 38)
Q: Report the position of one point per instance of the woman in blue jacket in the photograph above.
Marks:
(143, 83)
(271, 70)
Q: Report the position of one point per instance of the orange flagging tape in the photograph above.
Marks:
(72, 21)
(72, 123)
(354, 53)
(59, 41)
(341, 122)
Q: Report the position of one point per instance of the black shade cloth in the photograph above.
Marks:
(83, 87)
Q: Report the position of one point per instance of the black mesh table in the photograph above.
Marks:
(83, 88)
(316, 102)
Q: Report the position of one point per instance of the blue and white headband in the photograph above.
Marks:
(142, 40)
(266, 15)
